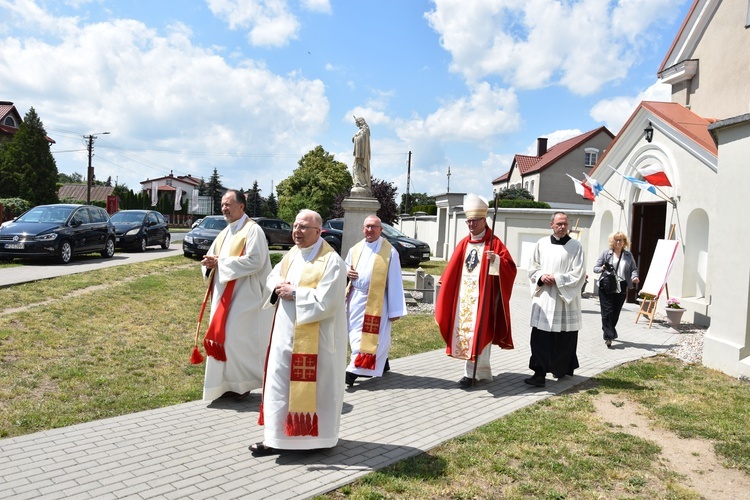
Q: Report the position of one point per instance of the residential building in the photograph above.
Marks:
(546, 175)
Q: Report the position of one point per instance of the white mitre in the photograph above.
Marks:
(475, 206)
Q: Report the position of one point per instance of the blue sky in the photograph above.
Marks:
(248, 87)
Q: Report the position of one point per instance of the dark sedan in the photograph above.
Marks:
(138, 229)
(198, 240)
(410, 251)
(59, 231)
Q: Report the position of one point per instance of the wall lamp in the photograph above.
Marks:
(649, 132)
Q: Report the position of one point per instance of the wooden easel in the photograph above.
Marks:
(648, 307)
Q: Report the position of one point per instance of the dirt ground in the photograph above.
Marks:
(693, 458)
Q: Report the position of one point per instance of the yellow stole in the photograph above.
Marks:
(215, 336)
(302, 419)
(374, 307)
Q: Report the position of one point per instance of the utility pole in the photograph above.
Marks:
(90, 175)
(449, 179)
(408, 181)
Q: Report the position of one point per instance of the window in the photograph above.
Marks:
(532, 188)
(9, 121)
(592, 155)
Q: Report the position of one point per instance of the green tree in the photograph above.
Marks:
(515, 193)
(214, 190)
(383, 191)
(315, 184)
(415, 199)
(27, 164)
(271, 208)
(74, 178)
(255, 202)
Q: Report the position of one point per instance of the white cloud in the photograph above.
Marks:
(479, 117)
(270, 22)
(615, 112)
(536, 43)
(157, 92)
(323, 6)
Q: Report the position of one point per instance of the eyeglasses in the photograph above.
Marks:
(472, 221)
(618, 241)
(371, 227)
(302, 227)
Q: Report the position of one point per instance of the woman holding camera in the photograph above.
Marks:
(619, 272)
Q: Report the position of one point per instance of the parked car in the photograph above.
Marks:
(410, 251)
(139, 229)
(277, 231)
(59, 231)
(196, 223)
(197, 241)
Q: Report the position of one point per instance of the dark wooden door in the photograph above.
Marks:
(648, 226)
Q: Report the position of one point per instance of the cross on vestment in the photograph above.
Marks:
(304, 366)
(371, 324)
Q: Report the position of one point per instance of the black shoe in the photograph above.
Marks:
(261, 450)
(387, 366)
(609, 343)
(535, 381)
(350, 378)
(465, 382)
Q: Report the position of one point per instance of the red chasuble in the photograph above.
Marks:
(493, 323)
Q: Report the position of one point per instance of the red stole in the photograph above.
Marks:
(216, 334)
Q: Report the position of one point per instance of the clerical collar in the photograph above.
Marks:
(478, 237)
(373, 244)
(233, 226)
(311, 251)
(561, 241)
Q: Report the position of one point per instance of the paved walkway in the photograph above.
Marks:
(199, 450)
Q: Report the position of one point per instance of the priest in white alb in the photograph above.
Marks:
(237, 263)
(375, 299)
(303, 389)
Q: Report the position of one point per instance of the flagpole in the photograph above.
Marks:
(665, 195)
(609, 195)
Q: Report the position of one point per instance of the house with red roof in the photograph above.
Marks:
(546, 175)
(10, 121)
(698, 146)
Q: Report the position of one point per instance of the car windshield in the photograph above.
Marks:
(217, 224)
(133, 217)
(55, 215)
(336, 224)
(392, 232)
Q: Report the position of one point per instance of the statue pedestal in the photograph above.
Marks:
(356, 210)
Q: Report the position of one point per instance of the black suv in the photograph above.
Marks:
(410, 251)
(59, 231)
(277, 231)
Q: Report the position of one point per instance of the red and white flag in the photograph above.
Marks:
(582, 189)
(654, 174)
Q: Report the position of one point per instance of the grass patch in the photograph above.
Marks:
(559, 448)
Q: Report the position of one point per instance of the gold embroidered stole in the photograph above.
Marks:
(215, 336)
(368, 347)
(302, 419)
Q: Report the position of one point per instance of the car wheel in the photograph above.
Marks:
(64, 252)
(109, 248)
(187, 254)
(142, 244)
(166, 242)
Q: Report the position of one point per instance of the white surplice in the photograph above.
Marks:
(394, 305)
(325, 304)
(248, 325)
(557, 308)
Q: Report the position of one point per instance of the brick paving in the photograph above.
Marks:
(199, 450)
